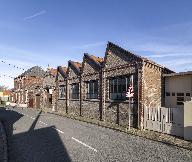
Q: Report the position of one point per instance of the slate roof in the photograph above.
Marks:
(34, 71)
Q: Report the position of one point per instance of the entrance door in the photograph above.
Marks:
(50, 100)
(31, 102)
(37, 101)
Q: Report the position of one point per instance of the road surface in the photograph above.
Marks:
(35, 136)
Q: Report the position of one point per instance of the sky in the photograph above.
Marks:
(51, 32)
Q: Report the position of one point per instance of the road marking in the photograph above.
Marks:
(43, 123)
(84, 144)
(59, 130)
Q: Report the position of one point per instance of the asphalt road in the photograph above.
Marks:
(34, 136)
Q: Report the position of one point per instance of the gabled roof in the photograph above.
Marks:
(76, 65)
(111, 47)
(34, 71)
(51, 71)
(98, 61)
(62, 70)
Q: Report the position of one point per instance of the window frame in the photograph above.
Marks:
(95, 91)
(75, 95)
(118, 91)
(63, 88)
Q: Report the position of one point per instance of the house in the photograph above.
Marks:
(5, 96)
(174, 117)
(49, 88)
(178, 89)
(28, 87)
(61, 89)
(74, 88)
(91, 79)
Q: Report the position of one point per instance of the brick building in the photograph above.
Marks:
(61, 89)
(121, 68)
(97, 88)
(74, 96)
(91, 79)
(28, 87)
(49, 88)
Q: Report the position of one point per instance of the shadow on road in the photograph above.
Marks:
(35, 145)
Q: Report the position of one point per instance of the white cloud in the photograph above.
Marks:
(35, 15)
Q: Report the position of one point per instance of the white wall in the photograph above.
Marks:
(188, 121)
(177, 84)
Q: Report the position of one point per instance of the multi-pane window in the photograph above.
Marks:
(118, 87)
(92, 92)
(62, 91)
(75, 91)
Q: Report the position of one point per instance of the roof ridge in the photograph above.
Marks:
(110, 44)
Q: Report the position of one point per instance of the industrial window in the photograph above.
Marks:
(118, 87)
(188, 94)
(75, 91)
(180, 94)
(180, 100)
(92, 92)
(167, 94)
(62, 91)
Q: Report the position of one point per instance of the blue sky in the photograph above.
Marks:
(42, 32)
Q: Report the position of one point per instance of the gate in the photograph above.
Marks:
(165, 120)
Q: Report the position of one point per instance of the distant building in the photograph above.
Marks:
(5, 95)
(28, 87)
(178, 89)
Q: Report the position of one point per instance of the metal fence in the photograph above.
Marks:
(165, 120)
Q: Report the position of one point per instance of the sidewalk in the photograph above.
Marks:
(3, 144)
